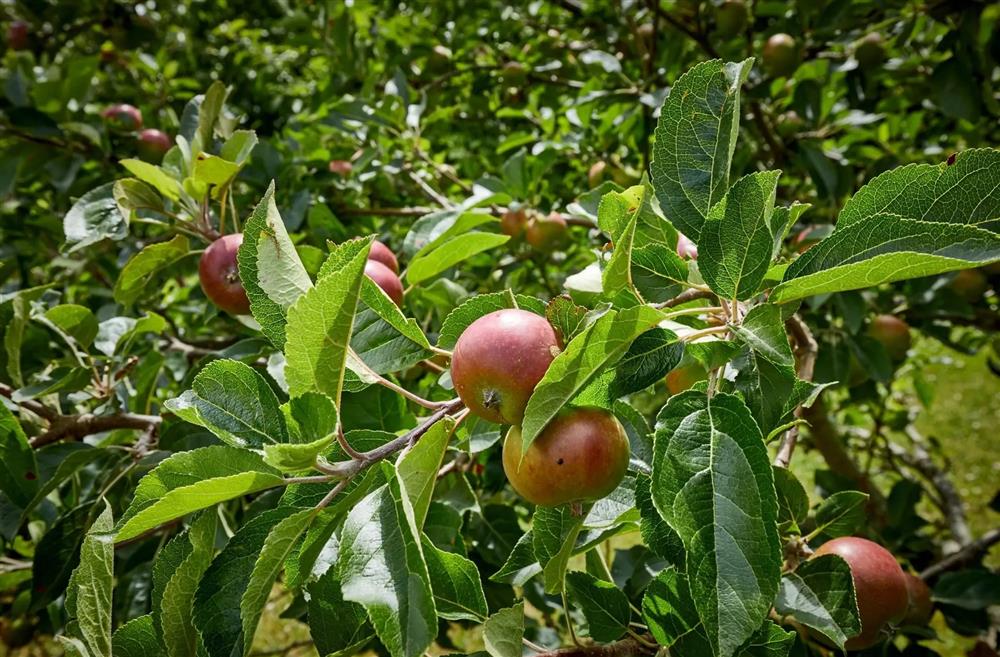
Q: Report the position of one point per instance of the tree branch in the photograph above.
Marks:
(687, 296)
(624, 648)
(805, 357)
(75, 427)
(37, 408)
(967, 554)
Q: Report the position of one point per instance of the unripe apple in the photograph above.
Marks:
(686, 248)
(123, 117)
(879, 586)
(581, 455)
(513, 222)
(499, 359)
(342, 168)
(682, 377)
(595, 176)
(893, 333)
(870, 51)
(781, 55)
(921, 606)
(152, 145)
(385, 279)
(220, 275)
(730, 18)
(17, 35)
(545, 232)
(379, 252)
(970, 284)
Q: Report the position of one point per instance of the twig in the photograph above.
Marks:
(39, 409)
(625, 648)
(805, 356)
(415, 398)
(383, 212)
(86, 424)
(443, 201)
(967, 554)
(686, 297)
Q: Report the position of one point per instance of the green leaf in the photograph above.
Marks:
(311, 416)
(768, 641)
(667, 607)
(194, 480)
(177, 569)
(971, 589)
(382, 568)
(736, 240)
(214, 170)
(554, 532)
(567, 318)
(162, 181)
(18, 468)
(219, 614)
(418, 467)
(782, 220)
(295, 457)
(461, 317)
(503, 632)
(521, 565)
(60, 379)
(763, 330)
(967, 191)
(657, 534)
(458, 593)
(88, 598)
(209, 111)
(239, 146)
(280, 272)
(883, 248)
(713, 485)
(277, 547)
(143, 267)
(132, 194)
(75, 321)
(841, 514)
(604, 605)
(233, 401)
(338, 627)
(793, 501)
(268, 313)
(648, 359)
(94, 217)
(450, 253)
(597, 347)
(658, 272)
(695, 139)
(319, 329)
(624, 211)
(137, 638)
(379, 303)
(820, 595)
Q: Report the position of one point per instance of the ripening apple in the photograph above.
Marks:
(684, 376)
(123, 117)
(17, 35)
(342, 168)
(686, 248)
(595, 175)
(581, 455)
(379, 252)
(152, 145)
(545, 232)
(730, 18)
(513, 222)
(879, 586)
(893, 333)
(499, 359)
(781, 55)
(921, 607)
(220, 275)
(386, 279)
(970, 284)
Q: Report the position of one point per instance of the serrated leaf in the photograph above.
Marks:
(268, 313)
(695, 139)
(604, 605)
(482, 304)
(382, 568)
(667, 607)
(233, 401)
(143, 267)
(295, 457)
(713, 485)
(554, 531)
(338, 627)
(656, 533)
(177, 569)
(967, 191)
(883, 248)
(503, 632)
(162, 181)
(597, 347)
(458, 593)
(648, 359)
(319, 330)
(94, 217)
(310, 417)
(841, 514)
(736, 240)
(658, 272)
(793, 501)
(566, 318)
(88, 597)
(450, 253)
(521, 565)
(239, 146)
(78, 322)
(769, 640)
(624, 208)
(132, 194)
(764, 332)
(218, 612)
(214, 170)
(136, 638)
(417, 468)
(820, 595)
(194, 480)
(782, 220)
(18, 467)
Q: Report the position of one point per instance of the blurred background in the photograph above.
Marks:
(372, 114)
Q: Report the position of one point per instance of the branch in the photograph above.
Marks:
(686, 297)
(77, 426)
(624, 648)
(969, 553)
(37, 408)
(805, 357)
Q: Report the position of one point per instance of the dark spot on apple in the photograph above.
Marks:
(560, 461)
